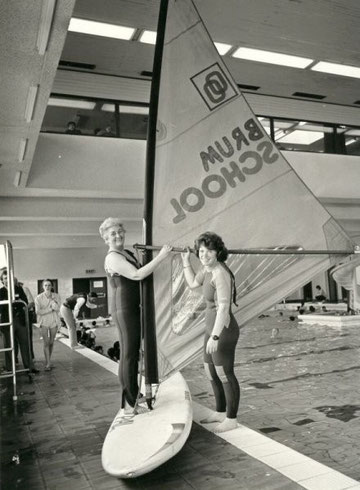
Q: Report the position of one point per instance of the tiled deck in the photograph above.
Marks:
(299, 409)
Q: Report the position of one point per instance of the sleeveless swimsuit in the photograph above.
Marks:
(125, 312)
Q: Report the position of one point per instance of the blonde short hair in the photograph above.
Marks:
(108, 223)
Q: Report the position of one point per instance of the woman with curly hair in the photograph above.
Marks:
(222, 330)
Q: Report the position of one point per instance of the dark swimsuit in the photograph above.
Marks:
(227, 394)
(125, 312)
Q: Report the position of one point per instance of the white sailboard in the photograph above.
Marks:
(138, 444)
(214, 168)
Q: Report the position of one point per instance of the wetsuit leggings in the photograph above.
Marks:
(221, 371)
(129, 340)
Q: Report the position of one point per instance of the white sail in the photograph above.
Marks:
(347, 275)
(216, 169)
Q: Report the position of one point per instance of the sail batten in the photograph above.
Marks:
(216, 169)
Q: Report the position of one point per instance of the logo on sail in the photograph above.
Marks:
(214, 86)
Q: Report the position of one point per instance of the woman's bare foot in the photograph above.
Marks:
(227, 424)
(214, 417)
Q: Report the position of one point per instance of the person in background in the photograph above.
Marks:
(125, 273)
(70, 310)
(221, 328)
(47, 306)
(21, 334)
(107, 132)
(32, 316)
(72, 129)
(320, 295)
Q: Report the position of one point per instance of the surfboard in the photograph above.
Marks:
(210, 165)
(137, 444)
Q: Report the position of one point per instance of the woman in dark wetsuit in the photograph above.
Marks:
(125, 273)
(222, 330)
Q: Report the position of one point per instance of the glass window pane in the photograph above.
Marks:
(302, 135)
(352, 140)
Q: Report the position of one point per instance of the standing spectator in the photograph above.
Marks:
(21, 333)
(70, 309)
(47, 306)
(32, 316)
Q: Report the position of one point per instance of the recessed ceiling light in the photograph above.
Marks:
(101, 29)
(223, 48)
(337, 69)
(133, 109)
(271, 57)
(73, 103)
(148, 37)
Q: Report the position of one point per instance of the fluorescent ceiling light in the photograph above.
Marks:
(350, 141)
(132, 109)
(223, 48)
(108, 107)
(101, 29)
(148, 37)
(271, 57)
(301, 137)
(337, 69)
(73, 103)
(353, 132)
(126, 109)
(47, 14)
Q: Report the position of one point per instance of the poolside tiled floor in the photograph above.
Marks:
(300, 398)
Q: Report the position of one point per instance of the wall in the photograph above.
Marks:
(60, 264)
(88, 163)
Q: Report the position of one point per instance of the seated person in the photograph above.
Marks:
(107, 132)
(72, 129)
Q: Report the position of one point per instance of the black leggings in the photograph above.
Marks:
(226, 389)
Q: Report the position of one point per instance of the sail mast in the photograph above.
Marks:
(150, 357)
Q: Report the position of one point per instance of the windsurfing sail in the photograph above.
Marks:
(347, 275)
(216, 169)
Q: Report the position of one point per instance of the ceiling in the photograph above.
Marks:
(316, 29)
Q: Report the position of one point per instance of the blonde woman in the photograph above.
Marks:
(125, 272)
(47, 307)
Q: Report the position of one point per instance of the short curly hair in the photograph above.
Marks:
(212, 241)
(108, 223)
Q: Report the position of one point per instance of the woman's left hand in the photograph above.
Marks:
(211, 346)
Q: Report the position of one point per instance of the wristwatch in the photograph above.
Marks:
(215, 337)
